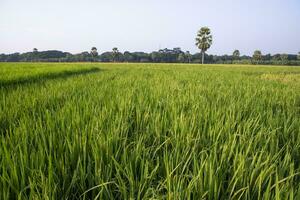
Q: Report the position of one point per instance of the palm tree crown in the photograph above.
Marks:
(236, 54)
(204, 40)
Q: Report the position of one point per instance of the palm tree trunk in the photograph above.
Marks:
(202, 57)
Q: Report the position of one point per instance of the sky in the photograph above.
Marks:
(272, 26)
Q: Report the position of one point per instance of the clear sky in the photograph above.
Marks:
(272, 26)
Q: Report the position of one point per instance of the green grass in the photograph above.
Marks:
(149, 131)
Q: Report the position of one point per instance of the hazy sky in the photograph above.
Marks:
(272, 26)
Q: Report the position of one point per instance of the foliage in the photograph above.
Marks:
(115, 54)
(257, 55)
(204, 40)
(175, 55)
(94, 52)
(236, 54)
(149, 131)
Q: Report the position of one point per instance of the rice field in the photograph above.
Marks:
(149, 131)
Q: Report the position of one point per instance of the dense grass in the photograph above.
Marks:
(149, 131)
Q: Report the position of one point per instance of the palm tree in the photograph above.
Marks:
(115, 53)
(189, 56)
(203, 40)
(94, 52)
(236, 54)
(34, 54)
(257, 55)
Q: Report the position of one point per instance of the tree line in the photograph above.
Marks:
(176, 55)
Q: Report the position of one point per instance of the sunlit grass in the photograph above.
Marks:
(149, 131)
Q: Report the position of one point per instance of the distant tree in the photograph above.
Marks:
(188, 56)
(236, 54)
(94, 53)
(176, 50)
(267, 57)
(284, 57)
(51, 54)
(106, 57)
(181, 58)
(2, 57)
(34, 55)
(169, 55)
(156, 56)
(115, 53)
(15, 57)
(276, 57)
(215, 58)
(203, 40)
(128, 57)
(257, 55)
(142, 57)
(298, 56)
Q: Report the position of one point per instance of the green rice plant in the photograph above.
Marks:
(149, 131)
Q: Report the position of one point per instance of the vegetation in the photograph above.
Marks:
(236, 55)
(257, 55)
(175, 55)
(203, 40)
(149, 131)
(115, 54)
(94, 53)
